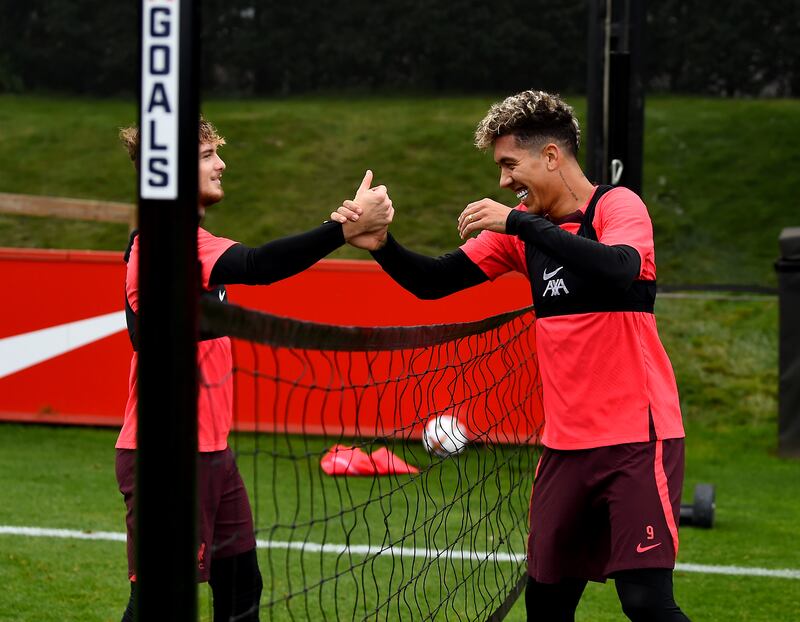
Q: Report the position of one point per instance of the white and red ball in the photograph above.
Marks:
(444, 436)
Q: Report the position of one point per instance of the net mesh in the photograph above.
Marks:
(446, 542)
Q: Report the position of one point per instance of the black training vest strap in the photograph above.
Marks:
(130, 315)
(219, 293)
(558, 291)
(586, 229)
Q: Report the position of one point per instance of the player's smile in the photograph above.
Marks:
(211, 168)
(519, 169)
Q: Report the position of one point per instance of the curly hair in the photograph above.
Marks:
(531, 117)
(130, 138)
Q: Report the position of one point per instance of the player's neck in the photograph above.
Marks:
(574, 191)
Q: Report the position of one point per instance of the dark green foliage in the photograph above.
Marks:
(86, 47)
(467, 46)
(732, 48)
(458, 45)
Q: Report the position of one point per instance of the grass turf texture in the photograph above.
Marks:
(724, 356)
(716, 179)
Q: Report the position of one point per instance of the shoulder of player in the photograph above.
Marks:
(618, 197)
(206, 239)
(620, 201)
(204, 236)
(132, 249)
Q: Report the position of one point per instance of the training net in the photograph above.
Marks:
(389, 468)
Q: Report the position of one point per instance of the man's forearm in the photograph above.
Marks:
(278, 259)
(426, 277)
(619, 264)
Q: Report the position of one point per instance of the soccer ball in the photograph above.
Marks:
(444, 436)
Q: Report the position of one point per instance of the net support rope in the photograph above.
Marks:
(285, 332)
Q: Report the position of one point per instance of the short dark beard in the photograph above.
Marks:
(205, 201)
(571, 191)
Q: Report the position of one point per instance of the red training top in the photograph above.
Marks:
(214, 360)
(606, 377)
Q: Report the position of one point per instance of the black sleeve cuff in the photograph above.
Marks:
(512, 222)
(426, 277)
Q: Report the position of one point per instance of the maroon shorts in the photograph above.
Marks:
(225, 521)
(597, 511)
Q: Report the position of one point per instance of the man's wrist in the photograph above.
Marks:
(349, 230)
(512, 222)
(382, 241)
(381, 248)
(337, 226)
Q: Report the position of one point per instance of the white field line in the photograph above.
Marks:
(361, 550)
(71, 534)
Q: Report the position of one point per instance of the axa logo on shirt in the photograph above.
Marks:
(554, 286)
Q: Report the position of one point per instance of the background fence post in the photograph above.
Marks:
(788, 269)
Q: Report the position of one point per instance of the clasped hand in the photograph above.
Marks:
(365, 220)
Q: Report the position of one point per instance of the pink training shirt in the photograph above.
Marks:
(214, 360)
(604, 374)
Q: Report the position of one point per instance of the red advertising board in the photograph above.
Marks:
(65, 353)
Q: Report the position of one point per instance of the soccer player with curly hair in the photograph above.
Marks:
(606, 495)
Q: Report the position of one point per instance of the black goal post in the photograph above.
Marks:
(615, 92)
(168, 298)
(788, 269)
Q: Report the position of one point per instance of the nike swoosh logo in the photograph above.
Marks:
(549, 275)
(28, 349)
(644, 549)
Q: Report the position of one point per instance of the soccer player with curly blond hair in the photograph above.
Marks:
(606, 495)
(226, 553)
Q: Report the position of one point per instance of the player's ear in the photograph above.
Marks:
(552, 156)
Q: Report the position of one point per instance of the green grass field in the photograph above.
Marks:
(719, 186)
